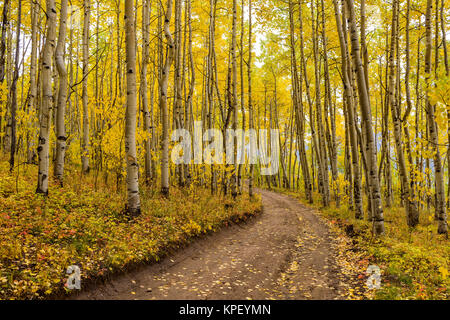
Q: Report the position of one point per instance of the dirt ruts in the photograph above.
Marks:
(287, 252)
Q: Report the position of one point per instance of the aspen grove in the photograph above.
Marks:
(358, 92)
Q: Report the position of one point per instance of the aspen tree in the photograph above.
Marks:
(301, 115)
(433, 130)
(189, 111)
(5, 25)
(163, 101)
(47, 99)
(146, 11)
(409, 106)
(3, 45)
(8, 75)
(133, 207)
(358, 206)
(241, 73)
(32, 97)
(411, 208)
(234, 99)
(178, 88)
(374, 182)
(250, 105)
(62, 95)
(447, 73)
(330, 126)
(322, 153)
(209, 82)
(85, 98)
(13, 90)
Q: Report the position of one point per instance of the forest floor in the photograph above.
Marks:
(287, 252)
(82, 224)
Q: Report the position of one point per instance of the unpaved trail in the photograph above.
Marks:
(287, 252)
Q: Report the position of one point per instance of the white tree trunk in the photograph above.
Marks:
(250, 106)
(62, 95)
(441, 212)
(235, 106)
(32, 100)
(374, 182)
(350, 115)
(163, 102)
(146, 10)
(47, 99)
(412, 213)
(85, 99)
(133, 207)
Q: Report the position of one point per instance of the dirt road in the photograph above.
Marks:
(287, 252)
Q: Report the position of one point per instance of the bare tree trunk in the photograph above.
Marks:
(321, 154)
(241, 72)
(374, 181)
(298, 102)
(328, 108)
(5, 25)
(178, 85)
(444, 39)
(189, 113)
(433, 130)
(146, 10)
(8, 74)
(411, 208)
(412, 184)
(209, 81)
(3, 61)
(47, 99)
(234, 100)
(85, 45)
(32, 97)
(447, 73)
(365, 53)
(350, 117)
(133, 207)
(163, 102)
(62, 95)
(13, 90)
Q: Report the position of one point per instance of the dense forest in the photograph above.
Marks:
(92, 93)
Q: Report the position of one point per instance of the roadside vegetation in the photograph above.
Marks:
(414, 262)
(83, 225)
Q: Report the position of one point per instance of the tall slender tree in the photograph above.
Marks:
(13, 89)
(412, 212)
(146, 11)
(133, 206)
(163, 101)
(250, 102)
(3, 40)
(234, 186)
(349, 106)
(433, 130)
(85, 98)
(62, 95)
(366, 115)
(47, 99)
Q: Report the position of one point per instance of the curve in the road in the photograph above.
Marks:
(287, 252)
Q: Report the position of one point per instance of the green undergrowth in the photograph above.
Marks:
(414, 262)
(83, 224)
